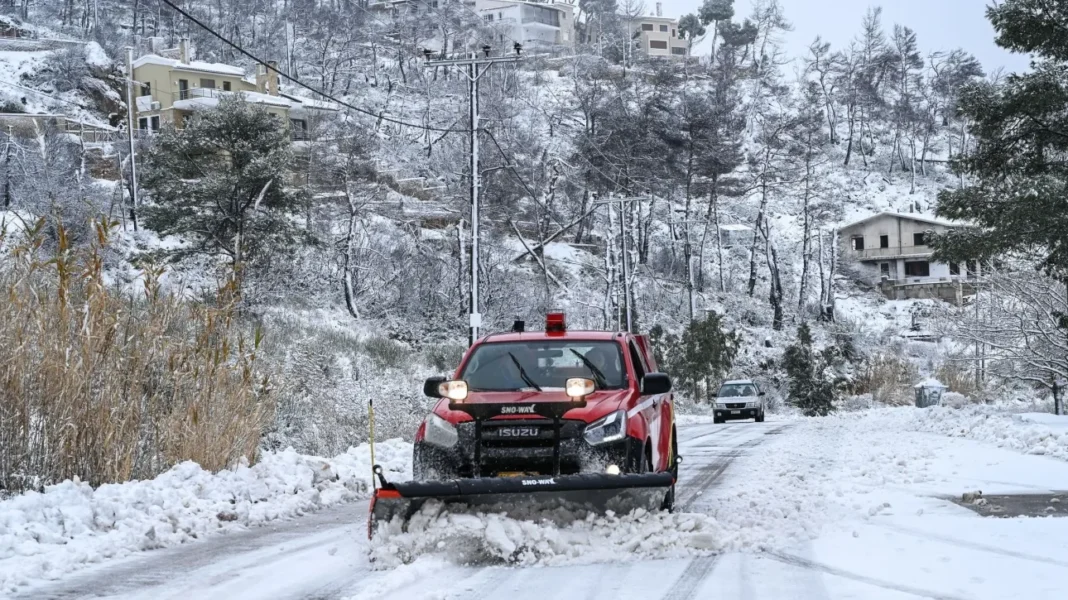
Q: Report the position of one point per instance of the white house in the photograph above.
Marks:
(533, 24)
(891, 250)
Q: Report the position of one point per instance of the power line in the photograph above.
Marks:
(301, 83)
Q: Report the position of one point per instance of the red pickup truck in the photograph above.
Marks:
(627, 424)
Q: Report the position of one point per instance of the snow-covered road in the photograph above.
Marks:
(811, 509)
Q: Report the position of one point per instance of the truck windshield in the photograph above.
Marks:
(510, 366)
(735, 390)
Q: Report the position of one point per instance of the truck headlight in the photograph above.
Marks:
(440, 432)
(610, 428)
(752, 404)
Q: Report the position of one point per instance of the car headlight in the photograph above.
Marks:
(752, 404)
(610, 428)
(721, 405)
(440, 432)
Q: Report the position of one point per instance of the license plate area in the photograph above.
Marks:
(736, 412)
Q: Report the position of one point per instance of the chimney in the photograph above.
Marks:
(658, 9)
(272, 78)
(183, 50)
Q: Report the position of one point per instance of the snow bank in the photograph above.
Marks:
(1031, 433)
(43, 535)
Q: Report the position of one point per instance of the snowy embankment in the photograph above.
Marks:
(1030, 433)
(831, 476)
(44, 535)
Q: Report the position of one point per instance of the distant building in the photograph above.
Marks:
(891, 251)
(534, 24)
(659, 36)
(169, 90)
(731, 235)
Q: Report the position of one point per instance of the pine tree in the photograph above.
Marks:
(706, 353)
(1018, 192)
(220, 184)
(810, 388)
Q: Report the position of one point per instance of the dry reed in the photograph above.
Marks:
(106, 386)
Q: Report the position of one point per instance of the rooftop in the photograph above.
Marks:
(907, 216)
(193, 65)
(571, 335)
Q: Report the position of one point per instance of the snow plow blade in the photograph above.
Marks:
(591, 492)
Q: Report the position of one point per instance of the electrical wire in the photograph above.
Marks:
(301, 83)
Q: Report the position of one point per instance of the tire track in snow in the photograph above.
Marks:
(804, 563)
(695, 573)
(708, 474)
(972, 545)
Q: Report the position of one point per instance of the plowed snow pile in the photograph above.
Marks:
(481, 538)
(43, 535)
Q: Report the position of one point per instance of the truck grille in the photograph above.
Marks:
(736, 405)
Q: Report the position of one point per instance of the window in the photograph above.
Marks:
(183, 89)
(858, 242)
(678, 51)
(508, 366)
(207, 83)
(488, 18)
(884, 269)
(664, 28)
(919, 239)
(917, 268)
(539, 14)
(226, 86)
(146, 89)
(672, 33)
(658, 44)
(636, 358)
(299, 129)
(954, 268)
(884, 241)
(737, 390)
(647, 26)
(155, 123)
(973, 269)
(142, 123)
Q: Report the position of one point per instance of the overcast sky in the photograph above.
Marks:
(939, 25)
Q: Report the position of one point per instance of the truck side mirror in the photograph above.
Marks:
(656, 383)
(430, 386)
(762, 394)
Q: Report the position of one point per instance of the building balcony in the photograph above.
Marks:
(891, 252)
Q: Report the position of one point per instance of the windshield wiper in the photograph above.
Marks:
(597, 374)
(523, 373)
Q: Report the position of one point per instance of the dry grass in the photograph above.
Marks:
(957, 379)
(102, 386)
(888, 378)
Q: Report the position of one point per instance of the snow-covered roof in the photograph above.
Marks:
(193, 65)
(930, 382)
(907, 216)
(737, 381)
(310, 103)
(735, 227)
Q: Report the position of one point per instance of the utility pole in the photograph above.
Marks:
(476, 68)
(130, 129)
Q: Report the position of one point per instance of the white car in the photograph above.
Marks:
(739, 399)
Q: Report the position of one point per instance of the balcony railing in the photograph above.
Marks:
(876, 253)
